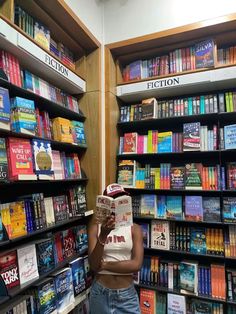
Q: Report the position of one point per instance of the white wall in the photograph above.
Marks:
(125, 19)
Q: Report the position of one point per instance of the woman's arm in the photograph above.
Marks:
(96, 242)
(136, 261)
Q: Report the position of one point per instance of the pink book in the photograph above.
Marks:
(140, 149)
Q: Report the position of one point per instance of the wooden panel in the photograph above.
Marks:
(80, 67)
(93, 70)
(90, 104)
(112, 137)
(110, 72)
(7, 9)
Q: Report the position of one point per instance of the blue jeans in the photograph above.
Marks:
(113, 301)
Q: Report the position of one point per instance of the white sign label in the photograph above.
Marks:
(168, 82)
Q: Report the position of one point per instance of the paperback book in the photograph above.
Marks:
(230, 136)
(147, 301)
(198, 241)
(146, 236)
(45, 256)
(148, 205)
(4, 109)
(3, 161)
(149, 108)
(78, 275)
(193, 208)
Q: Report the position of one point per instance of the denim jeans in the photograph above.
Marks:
(113, 301)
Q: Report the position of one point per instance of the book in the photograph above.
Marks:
(177, 178)
(43, 160)
(3, 160)
(78, 132)
(88, 272)
(121, 207)
(201, 307)
(127, 173)
(191, 136)
(61, 210)
(229, 209)
(198, 241)
(193, 176)
(27, 262)
(193, 208)
(78, 275)
(62, 130)
(160, 235)
(146, 236)
(68, 243)
(42, 35)
(130, 143)
(149, 109)
(205, 54)
(4, 109)
(18, 219)
(147, 301)
(211, 209)
(148, 205)
(45, 256)
(174, 207)
(230, 136)
(188, 278)
(81, 238)
(9, 270)
(176, 304)
(164, 142)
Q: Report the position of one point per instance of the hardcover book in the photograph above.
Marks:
(78, 132)
(27, 261)
(198, 241)
(45, 256)
(146, 236)
(60, 206)
(130, 143)
(160, 235)
(211, 209)
(148, 205)
(68, 243)
(174, 207)
(230, 136)
(193, 176)
(177, 178)
(127, 173)
(176, 304)
(205, 54)
(149, 109)
(43, 161)
(121, 207)
(147, 301)
(4, 109)
(188, 278)
(3, 161)
(78, 275)
(9, 269)
(193, 208)
(164, 142)
(81, 238)
(229, 209)
(191, 136)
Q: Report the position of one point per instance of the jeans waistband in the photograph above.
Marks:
(103, 289)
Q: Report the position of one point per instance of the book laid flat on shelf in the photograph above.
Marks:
(176, 304)
(205, 54)
(191, 136)
(121, 207)
(4, 109)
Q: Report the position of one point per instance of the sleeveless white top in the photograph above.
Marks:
(118, 247)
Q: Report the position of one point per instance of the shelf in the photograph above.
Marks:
(179, 84)
(180, 191)
(3, 300)
(36, 59)
(180, 221)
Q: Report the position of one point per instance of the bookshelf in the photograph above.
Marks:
(120, 93)
(80, 80)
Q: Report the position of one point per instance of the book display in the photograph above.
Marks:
(48, 137)
(172, 117)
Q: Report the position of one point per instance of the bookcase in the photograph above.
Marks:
(80, 80)
(122, 94)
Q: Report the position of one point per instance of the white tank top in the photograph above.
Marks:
(118, 247)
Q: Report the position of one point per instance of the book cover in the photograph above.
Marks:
(18, 219)
(78, 132)
(45, 296)
(191, 136)
(58, 248)
(201, 307)
(4, 109)
(229, 209)
(147, 301)
(211, 209)
(135, 70)
(160, 235)
(176, 304)
(205, 54)
(27, 262)
(177, 178)
(130, 143)
(68, 243)
(60, 208)
(193, 176)
(174, 207)
(198, 241)
(121, 207)
(42, 35)
(193, 208)
(3, 161)
(81, 238)
(148, 205)
(230, 136)
(43, 160)
(149, 109)
(146, 231)
(88, 272)
(9, 269)
(188, 278)
(164, 142)
(62, 130)
(57, 165)
(126, 173)
(45, 256)
(78, 275)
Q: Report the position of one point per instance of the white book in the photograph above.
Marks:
(49, 210)
(145, 144)
(176, 304)
(27, 262)
(160, 235)
(170, 276)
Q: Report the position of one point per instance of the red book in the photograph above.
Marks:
(19, 154)
(68, 241)
(9, 269)
(58, 247)
(147, 301)
(130, 143)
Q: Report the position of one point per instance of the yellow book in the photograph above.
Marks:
(18, 219)
(63, 130)
(157, 178)
(164, 142)
(231, 104)
(149, 142)
(6, 218)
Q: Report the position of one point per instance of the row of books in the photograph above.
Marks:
(23, 264)
(25, 79)
(41, 34)
(152, 302)
(192, 176)
(35, 212)
(23, 159)
(188, 207)
(200, 55)
(184, 277)
(152, 108)
(226, 55)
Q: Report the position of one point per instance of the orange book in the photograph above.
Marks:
(207, 185)
(213, 282)
(130, 143)
(152, 269)
(156, 269)
(147, 301)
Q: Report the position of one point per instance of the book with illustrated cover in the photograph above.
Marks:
(18, 219)
(45, 256)
(174, 207)
(177, 178)
(4, 109)
(193, 208)
(201, 307)
(81, 238)
(229, 209)
(191, 136)
(27, 262)
(42, 35)
(121, 207)
(211, 209)
(3, 160)
(9, 270)
(148, 205)
(147, 301)
(146, 231)
(230, 136)
(43, 160)
(149, 109)
(78, 275)
(78, 132)
(161, 206)
(127, 173)
(160, 235)
(193, 176)
(68, 243)
(198, 241)
(188, 278)
(88, 272)
(205, 54)
(130, 143)
(176, 304)
(164, 142)
(60, 205)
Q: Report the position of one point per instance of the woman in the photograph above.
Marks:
(114, 255)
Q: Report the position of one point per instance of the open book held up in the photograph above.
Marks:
(121, 207)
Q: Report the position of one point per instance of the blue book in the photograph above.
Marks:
(161, 206)
(19, 102)
(230, 136)
(45, 256)
(148, 205)
(229, 209)
(174, 207)
(78, 132)
(45, 296)
(78, 275)
(190, 106)
(19, 125)
(4, 109)
(202, 307)
(198, 241)
(81, 238)
(164, 142)
(205, 54)
(211, 209)
(28, 80)
(146, 231)
(42, 152)
(188, 278)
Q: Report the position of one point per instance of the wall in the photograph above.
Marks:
(131, 18)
